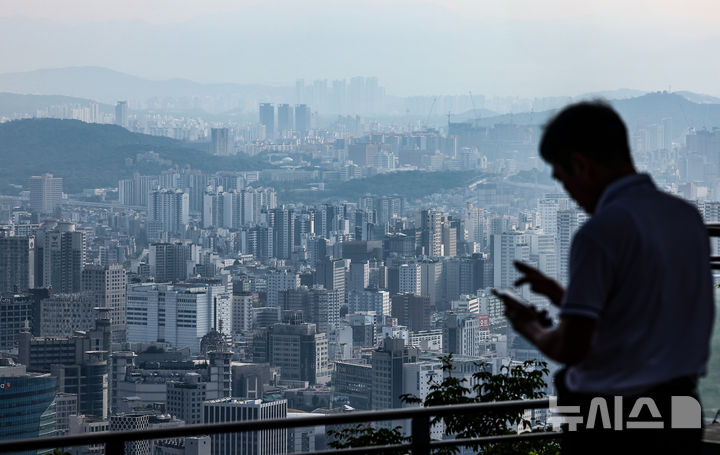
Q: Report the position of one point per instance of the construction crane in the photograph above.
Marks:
(472, 100)
(432, 106)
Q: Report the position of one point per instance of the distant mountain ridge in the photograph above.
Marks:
(14, 103)
(647, 109)
(89, 155)
(109, 86)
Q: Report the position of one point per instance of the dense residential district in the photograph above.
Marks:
(325, 275)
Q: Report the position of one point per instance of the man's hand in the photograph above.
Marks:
(520, 315)
(539, 283)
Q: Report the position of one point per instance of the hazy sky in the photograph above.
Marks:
(422, 47)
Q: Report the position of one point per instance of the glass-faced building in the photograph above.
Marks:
(27, 403)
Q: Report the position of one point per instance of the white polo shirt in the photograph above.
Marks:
(640, 266)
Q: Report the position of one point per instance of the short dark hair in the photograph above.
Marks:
(590, 128)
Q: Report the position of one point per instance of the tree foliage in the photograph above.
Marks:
(517, 382)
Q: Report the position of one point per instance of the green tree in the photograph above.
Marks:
(519, 382)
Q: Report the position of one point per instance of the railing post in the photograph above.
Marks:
(115, 447)
(420, 432)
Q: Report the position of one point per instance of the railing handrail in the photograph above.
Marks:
(119, 437)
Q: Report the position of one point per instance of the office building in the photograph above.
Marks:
(172, 262)
(66, 404)
(180, 315)
(108, 288)
(387, 370)
(61, 315)
(298, 349)
(185, 398)
(45, 193)
(265, 442)
(461, 334)
(79, 362)
(354, 382)
(59, 256)
(375, 300)
(412, 311)
(359, 277)
(27, 403)
(132, 422)
(16, 310)
(330, 273)
(17, 263)
(431, 280)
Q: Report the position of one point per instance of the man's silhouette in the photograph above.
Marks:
(637, 314)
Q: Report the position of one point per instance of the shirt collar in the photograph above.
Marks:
(621, 185)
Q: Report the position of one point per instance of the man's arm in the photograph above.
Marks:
(568, 343)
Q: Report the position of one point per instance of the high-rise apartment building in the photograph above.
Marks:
(410, 279)
(59, 256)
(17, 263)
(242, 312)
(281, 280)
(302, 119)
(267, 118)
(108, 288)
(431, 225)
(285, 119)
(220, 142)
(121, 114)
(168, 212)
(508, 247)
(135, 191)
(282, 221)
(45, 193)
(568, 222)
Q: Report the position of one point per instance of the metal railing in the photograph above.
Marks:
(420, 442)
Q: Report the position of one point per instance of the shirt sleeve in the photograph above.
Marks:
(591, 277)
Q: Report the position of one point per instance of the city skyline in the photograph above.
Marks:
(555, 49)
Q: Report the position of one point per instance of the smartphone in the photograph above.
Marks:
(545, 320)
